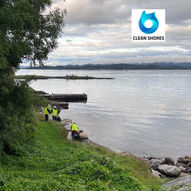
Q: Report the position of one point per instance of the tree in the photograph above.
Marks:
(26, 33)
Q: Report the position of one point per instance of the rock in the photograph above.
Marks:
(155, 173)
(157, 161)
(183, 183)
(169, 170)
(154, 163)
(188, 170)
(150, 157)
(184, 160)
(126, 154)
(181, 164)
(169, 161)
(117, 152)
(84, 135)
(189, 164)
(182, 169)
(184, 174)
(187, 157)
(69, 137)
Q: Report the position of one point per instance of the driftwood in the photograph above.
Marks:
(66, 97)
(60, 105)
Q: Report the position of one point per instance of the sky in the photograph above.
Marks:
(99, 32)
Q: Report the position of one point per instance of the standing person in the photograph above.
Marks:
(47, 111)
(75, 132)
(54, 113)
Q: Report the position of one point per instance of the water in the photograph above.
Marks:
(142, 112)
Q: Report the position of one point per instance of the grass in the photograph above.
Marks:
(56, 164)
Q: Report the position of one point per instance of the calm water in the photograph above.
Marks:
(142, 112)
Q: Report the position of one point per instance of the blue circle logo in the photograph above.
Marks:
(151, 17)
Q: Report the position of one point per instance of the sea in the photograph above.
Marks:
(144, 112)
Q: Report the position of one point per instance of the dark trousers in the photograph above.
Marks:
(54, 117)
(76, 136)
(46, 117)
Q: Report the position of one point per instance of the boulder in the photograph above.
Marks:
(154, 163)
(157, 161)
(169, 161)
(169, 170)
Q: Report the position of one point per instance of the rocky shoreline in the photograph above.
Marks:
(179, 170)
(159, 167)
(167, 167)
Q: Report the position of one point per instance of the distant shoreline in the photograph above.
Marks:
(121, 66)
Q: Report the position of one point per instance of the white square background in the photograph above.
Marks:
(136, 15)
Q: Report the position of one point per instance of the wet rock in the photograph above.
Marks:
(169, 161)
(169, 170)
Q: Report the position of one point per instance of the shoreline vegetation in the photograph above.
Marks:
(67, 77)
(55, 163)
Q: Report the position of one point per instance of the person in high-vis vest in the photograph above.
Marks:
(47, 111)
(54, 113)
(75, 132)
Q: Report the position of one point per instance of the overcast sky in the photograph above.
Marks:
(99, 31)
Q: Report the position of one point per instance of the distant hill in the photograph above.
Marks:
(122, 66)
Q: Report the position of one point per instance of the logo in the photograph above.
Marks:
(151, 17)
(148, 25)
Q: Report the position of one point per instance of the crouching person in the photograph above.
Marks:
(75, 132)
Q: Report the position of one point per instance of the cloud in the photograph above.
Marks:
(100, 32)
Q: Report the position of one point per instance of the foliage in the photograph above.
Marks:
(17, 116)
(57, 164)
(26, 33)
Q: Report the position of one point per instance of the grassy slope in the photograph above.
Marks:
(54, 163)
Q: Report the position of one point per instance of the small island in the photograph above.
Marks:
(67, 77)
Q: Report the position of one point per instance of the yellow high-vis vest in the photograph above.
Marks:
(75, 127)
(54, 112)
(46, 111)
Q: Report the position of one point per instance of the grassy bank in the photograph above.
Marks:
(55, 164)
